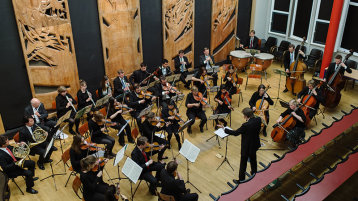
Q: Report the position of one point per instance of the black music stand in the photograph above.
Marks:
(181, 129)
(281, 73)
(225, 157)
(217, 117)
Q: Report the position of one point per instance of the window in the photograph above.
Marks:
(279, 16)
(323, 16)
(349, 40)
(302, 18)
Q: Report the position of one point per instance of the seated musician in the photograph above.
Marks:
(289, 57)
(223, 98)
(170, 115)
(195, 109)
(84, 97)
(77, 153)
(113, 193)
(252, 42)
(164, 69)
(140, 75)
(116, 116)
(300, 118)
(334, 66)
(257, 96)
(316, 93)
(121, 83)
(207, 61)
(201, 81)
(7, 163)
(94, 188)
(96, 127)
(182, 64)
(26, 135)
(229, 80)
(143, 159)
(65, 103)
(150, 125)
(37, 110)
(173, 184)
(105, 88)
(164, 91)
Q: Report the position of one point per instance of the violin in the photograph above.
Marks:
(146, 95)
(100, 164)
(205, 79)
(123, 107)
(262, 105)
(90, 146)
(152, 147)
(175, 114)
(201, 99)
(157, 120)
(170, 88)
(226, 97)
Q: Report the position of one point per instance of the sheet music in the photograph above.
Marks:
(49, 146)
(98, 154)
(120, 155)
(221, 133)
(132, 170)
(189, 151)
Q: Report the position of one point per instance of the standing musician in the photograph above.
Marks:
(84, 96)
(195, 109)
(37, 110)
(201, 81)
(150, 125)
(7, 163)
(260, 95)
(121, 83)
(94, 188)
(78, 151)
(289, 58)
(142, 159)
(223, 98)
(140, 75)
(164, 69)
(173, 186)
(207, 61)
(250, 141)
(316, 93)
(26, 135)
(106, 88)
(231, 80)
(65, 103)
(181, 66)
(96, 127)
(332, 68)
(115, 112)
(171, 114)
(252, 42)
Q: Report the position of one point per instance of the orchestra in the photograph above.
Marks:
(182, 64)
(121, 84)
(207, 61)
(194, 103)
(223, 98)
(65, 103)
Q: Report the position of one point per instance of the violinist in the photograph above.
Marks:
(96, 127)
(223, 98)
(201, 81)
(316, 94)
(173, 184)
(84, 97)
(231, 80)
(139, 76)
(171, 114)
(333, 67)
(121, 83)
(65, 103)
(150, 125)
(181, 66)
(256, 98)
(94, 188)
(252, 42)
(139, 156)
(289, 58)
(207, 61)
(164, 91)
(195, 109)
(106, 88)
(164, 69)
(78, 152)
(116, 116)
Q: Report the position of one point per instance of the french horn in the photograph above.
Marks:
(40, 136)
(20, 151)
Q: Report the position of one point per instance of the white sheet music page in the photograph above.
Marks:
(120, 155)
(132, 170)
(221, 133)
(189, 151)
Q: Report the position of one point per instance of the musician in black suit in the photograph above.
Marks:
(77, 154)
(164, 69)
(140, 75)
(63, 105)
(289, 57)
(252, 41)
(195, 109)
(105, 88)
(142, 159)
(250, 141)
(173, 123)
(334, 66)
(173, 186)
(37, 110)
(182, 64)
(121, 83)
(207, 61)
(7, 163)
(223, 98)
(316, 93)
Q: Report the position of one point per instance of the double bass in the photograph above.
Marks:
(336, 82)
(296, 81)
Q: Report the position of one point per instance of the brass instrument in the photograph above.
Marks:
(40, 136)
(21, 151)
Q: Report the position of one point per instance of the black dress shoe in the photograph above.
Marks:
(35, 178)
(31, 190)
(201, 129)
(54, 148)
(131, 141)
(72, 132)
(189, 130)
(122, 144)
(164, 157)
(41, 165)
(286, 90)
(49, 161)
(236, 181)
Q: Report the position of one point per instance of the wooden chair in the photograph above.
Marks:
(65, 157)
(83, 129)
(256, 73)
(240, 80)
(17, 137)
(164, 197)
(103, 111)
(77, 186)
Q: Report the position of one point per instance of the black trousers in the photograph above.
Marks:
(173, 129)
(147, 176)
(215, 78)
(190, 197)
(160, 141)
(41, 150)
(243, 165)
(99, 194)
(222, 109)
(200, 114)
(127, 130)
(107, 140)
(29, 173)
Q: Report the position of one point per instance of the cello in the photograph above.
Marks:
(262, 105)
(308, 102)
(296, 81)
(336, 82)
(278, 134)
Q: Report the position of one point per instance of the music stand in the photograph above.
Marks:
(104, 100)
(61, 134)
(145, 111)
(181, 129)
(188, 77)
(281, 73)
(284, 104)
(217, 117)
(132, 171)
(152, 84)
(214, 89)
(221, 133)
(190, 153)
(49, 146)
(117, 159)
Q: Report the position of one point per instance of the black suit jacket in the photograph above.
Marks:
(255, 43)
(61, 103)
(172, 186)
(160, 72)
(202, 59)
(177, 63)
(8, 164)
(138, 157)
(29, 112)
(319, 96)
(331, 70)
(250, 131)
(118, 86)
(25, 135)
(138, 76)
(287, 59)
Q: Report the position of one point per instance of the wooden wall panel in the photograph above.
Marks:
(178, 29)
(223, 28)
(121, 35)
(47, 42)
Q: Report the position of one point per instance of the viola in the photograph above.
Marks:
(123, 107)
(170, 88)
(90, 146)
(205, 79)
(146, 95)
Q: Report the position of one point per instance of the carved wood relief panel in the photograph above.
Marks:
(223, 28)
(178, 29)
(47, 43)
(121, 35)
